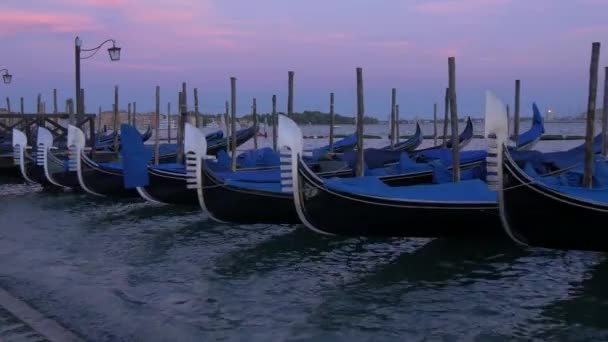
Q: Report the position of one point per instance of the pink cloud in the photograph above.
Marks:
(461, 6)
(96, 3)
(157, 16)
(14, 21)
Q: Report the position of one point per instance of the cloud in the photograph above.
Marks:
(461, 6)
(15, 21)
(96, 3)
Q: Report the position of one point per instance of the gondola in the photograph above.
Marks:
(110, 179)
(341, 146)
(7, 165)
(250, 197)
(410, 144)
(259, 202)
(464, 138)
(100, 179)
(54, 162)
(242, 136)
(545, 212)
(167, 183)
(29, 159)
(365, 206)
(528, 139)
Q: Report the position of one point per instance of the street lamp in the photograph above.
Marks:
(6, 77)
(114, 53)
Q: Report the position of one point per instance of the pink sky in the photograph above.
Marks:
(402, 44)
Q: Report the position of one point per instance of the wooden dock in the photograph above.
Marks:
(56, 123)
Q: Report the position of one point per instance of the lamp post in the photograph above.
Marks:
(114, 53)
(6, 77)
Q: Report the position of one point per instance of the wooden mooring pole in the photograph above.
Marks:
(233, 122)
(454, 113)
(290, 76)
(593, 75)
(21, 109)
(183, 117)
(134, 114)
(178, 132)
(392, 127)
(435, 124)
(99, 121)
(446, 118)
(516, 111)
(169, 122)
(197, 118)
(115, 120)
(129, 113)
(508, 120)
(8, 105)
(360, 115)
(227, 121)
(157, 125)
(605, 116)
(397, 130)
(82, 109)
(275, 122)
(55, 111)
(332, 121)
(254, 114)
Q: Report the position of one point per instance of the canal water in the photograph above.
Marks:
(133, 271)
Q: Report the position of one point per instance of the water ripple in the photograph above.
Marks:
(130, 270)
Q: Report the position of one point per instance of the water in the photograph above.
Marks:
(132, 271)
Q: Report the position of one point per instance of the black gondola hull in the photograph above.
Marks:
(36, 173)
(541, 217)
(103, 181)
(244, 206)
(170, 188)
(353, 215)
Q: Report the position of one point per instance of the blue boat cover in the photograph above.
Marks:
(374, 158)
(170, 167)
(445, 156)
(464, 191)
(263, 157)
(573, 177)
(164, 149)
(545, 162)
(135, 157)
(535, 132)
(441, 174)
(569, 183)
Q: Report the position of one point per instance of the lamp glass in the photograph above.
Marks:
(114, 53)
(7, 78)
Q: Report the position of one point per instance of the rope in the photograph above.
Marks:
(543, 175)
